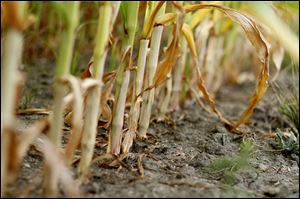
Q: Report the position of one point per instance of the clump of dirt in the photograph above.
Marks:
(176, 158)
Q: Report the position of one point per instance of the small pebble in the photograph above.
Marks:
(27, 165)
(262, 167)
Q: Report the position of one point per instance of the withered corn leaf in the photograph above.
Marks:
(261, 47)
(75, 116)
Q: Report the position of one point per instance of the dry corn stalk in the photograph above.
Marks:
(165, 90)
(15, 21)
(135, 104)
(163, 68)
(177, 76)
(55, 163)
(148, 97)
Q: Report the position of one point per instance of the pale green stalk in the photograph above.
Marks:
(130, 16)
(93, 98)
(137, 87)
(148, 97)
(71, 19)
(63, 69)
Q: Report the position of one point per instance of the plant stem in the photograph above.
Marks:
(165, 96)
(10, 76)
(135, 103)
(166, 88)
(177, 76)
(148, 97)
(10, 79)
(91, 113)
(137, 87)
(130, 15)
(62, 69)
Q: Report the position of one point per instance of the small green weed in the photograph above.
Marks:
(230, 167)
(287, 144)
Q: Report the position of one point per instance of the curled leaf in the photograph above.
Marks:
(88, 71)
(187, 32)
(127, 142)
(261, 46)
(108, 79)
(77, 115)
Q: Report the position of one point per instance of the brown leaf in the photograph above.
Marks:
(187, 32)
(105, 110)
(127, 142)
(88, 71)
(129, 94)
(76, 117)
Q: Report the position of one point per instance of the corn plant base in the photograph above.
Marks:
(171, 149)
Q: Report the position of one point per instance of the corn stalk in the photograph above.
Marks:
(92, 100)
(137, 87)
(14, 20)
(148, 97)
(70, 11)
(130, 16)
(177, 76)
